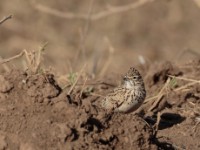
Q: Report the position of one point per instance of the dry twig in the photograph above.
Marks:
(85, 32)
(33, 58)
(157, 122)
(5, 66)
(12, 58)
(111, 10)
(5, 18)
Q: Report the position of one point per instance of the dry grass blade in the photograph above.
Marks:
(197, 119)
(39, 56)
(158, 121)
(186, 79)
(160, 95)
(34, 58)
(160, 92)
(185, 86)
(176, 90)
(192, 82)
(5, 18)
(79, 75)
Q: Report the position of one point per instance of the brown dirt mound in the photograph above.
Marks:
(37, 114)
(33, 116)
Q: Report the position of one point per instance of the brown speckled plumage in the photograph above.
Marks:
(129, 96)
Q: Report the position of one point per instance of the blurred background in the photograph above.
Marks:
(107, 35)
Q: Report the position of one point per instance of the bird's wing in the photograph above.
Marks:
(114, 99)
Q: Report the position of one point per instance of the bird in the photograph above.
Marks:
(129, 96)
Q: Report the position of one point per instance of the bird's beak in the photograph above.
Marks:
(125, 78)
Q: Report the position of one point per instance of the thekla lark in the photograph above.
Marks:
(129, 96)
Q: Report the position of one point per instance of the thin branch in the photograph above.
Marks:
(5, 18)
(157, 122)
(111, 10)
(85, 33)
(5, 66)
(11, 58)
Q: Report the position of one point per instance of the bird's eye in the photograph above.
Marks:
(134, 77)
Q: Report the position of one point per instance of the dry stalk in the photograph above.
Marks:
(33, 58)
(158, 121)
(39, 56)
(186, 79)
(160, 92)
(5, 18)
(107, 62)
(160, 95)
(85, 32)
(194, 128)
(111, 10)
(192, 82)
(5, 66)
(176, 90)
(74, 84)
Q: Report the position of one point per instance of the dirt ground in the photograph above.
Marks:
(50, 99)
(37, 114)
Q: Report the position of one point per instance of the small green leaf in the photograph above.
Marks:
(173, 83)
